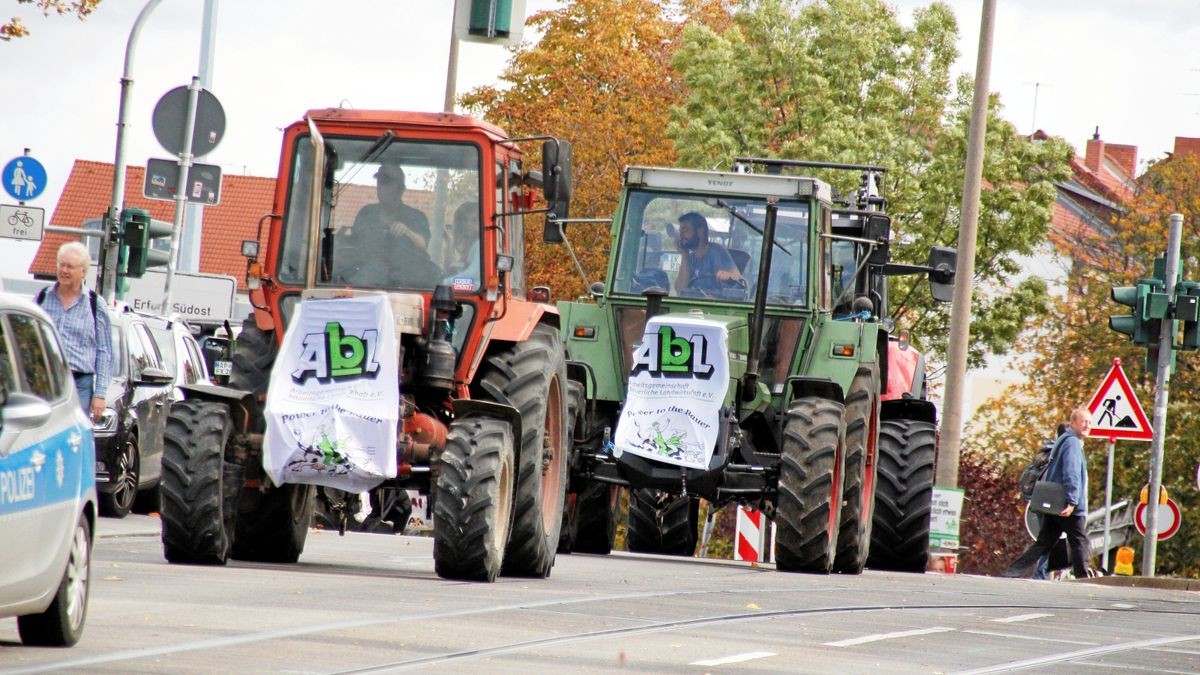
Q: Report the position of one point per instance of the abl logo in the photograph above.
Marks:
(332, 355)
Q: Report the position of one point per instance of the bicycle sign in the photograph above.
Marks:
(21, 222)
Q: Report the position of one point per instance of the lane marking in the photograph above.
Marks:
(1123, 605)
(1125, 667)
(887, 636)
(1022, 617)
(1079, 654)
(736, 658)
(1028, 637)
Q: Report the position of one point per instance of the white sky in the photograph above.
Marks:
(1121, 65)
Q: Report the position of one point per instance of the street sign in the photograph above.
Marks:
(1169, 519)
(162, 178)
(945, 514)
(202, 299)
(24, 178)
(21, 222)
(1115, 410)
(170, 116)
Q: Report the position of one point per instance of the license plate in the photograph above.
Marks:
(222, 367)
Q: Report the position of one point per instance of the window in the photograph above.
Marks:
(60, 373)
(193, 361)
(8, 375)
(142, 352)
(36, 375)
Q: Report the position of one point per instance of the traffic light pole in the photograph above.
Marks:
(1166, 343)
(109, 243)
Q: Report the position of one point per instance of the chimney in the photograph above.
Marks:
(1187, 146)
(1095, 152)
(1124, 156)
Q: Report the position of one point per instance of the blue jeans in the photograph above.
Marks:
(83, 385)
(1043, 565)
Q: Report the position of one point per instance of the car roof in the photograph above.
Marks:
(15, 301)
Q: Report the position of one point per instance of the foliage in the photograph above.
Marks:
(787, 80)
(80, 8)
(1072, 348)
(600, 77)
(992, 533)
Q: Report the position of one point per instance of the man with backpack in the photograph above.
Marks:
(1067, 467)
(83, 326)
(1030, 475)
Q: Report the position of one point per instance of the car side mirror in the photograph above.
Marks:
(943, 262)
(154, 376)
(25, 411)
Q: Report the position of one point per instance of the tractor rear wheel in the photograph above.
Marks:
(473, 509)
(858, 487)
(662, 523)
(900, 535)
(531, 376)
(273, 525)
(252, 361)
(199, 488)
(593, 519)
(810, 480)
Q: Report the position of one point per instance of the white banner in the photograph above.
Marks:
(334, 397)
(680, 376)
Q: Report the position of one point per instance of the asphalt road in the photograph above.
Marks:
(372, 603)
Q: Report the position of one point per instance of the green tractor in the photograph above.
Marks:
(740, 352)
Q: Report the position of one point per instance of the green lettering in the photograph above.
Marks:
(675, 354)
(346, 353)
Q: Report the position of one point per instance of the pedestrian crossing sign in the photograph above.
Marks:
(1116, 413)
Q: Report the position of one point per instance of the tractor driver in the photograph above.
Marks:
(706, 266)
(390, 237)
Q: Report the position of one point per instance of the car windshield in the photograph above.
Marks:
(400, 214)
(696, 246)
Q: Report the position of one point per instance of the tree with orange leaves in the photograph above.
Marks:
(80, 8)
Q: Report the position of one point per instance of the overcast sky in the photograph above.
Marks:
(1127, 67)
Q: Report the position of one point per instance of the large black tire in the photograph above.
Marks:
(662, 523)
(593, 519)
(61, 624)
(809, 504)
(126, 475)
(252, 360)
(531, 376)
(858, 486)
(473, 509)
(900, 536)
(272, 525)
(198, 486)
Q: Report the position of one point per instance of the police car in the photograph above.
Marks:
(47, 482)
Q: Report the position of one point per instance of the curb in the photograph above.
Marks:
(1163, 583)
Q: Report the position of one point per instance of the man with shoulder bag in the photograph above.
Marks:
(1061, 496)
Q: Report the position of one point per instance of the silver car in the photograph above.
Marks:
(48, 502)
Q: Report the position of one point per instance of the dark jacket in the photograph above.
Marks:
(1068, 466)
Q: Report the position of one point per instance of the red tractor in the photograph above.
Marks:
(427, 209)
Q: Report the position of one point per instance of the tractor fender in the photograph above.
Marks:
(801, 385)
(243, 404)
(517, 322)
(469, 407)
(917, 409)
(582, 372)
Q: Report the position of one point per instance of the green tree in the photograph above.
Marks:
(80, 8)
(845, 81)
(1071, 348)
(601, 77)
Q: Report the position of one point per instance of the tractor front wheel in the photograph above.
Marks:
(858, 487)
(810, 485)
(473, 509)
(900, 535)
(662, 523)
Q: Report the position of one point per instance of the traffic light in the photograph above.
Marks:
(490, 18)
(139, 232)
(1187, 310)
(1138, 325)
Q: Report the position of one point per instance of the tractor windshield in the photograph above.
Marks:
(695, 246)
(396, 214)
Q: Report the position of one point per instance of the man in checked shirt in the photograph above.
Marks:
(83, 325)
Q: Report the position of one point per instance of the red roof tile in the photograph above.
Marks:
(88, 191)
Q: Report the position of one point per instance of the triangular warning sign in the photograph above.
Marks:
(1115, 410)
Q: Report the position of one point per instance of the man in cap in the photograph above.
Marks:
(390, 238)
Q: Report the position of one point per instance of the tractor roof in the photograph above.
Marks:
(385, 119)
(719, 182)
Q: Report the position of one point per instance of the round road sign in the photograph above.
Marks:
(1169, 519)
(24, 178)
(170, 116)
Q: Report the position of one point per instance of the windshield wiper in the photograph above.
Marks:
(377, 148)
(734, 212)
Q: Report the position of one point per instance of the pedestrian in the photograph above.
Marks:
(1068, 467)
(83, 325)
(1042, 571)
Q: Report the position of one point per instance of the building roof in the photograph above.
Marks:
(88, 191)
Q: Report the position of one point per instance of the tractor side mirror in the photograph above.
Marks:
(943, 261)
(878, 229)
(556, 177)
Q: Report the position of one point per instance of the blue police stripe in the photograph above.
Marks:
(50, 471)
